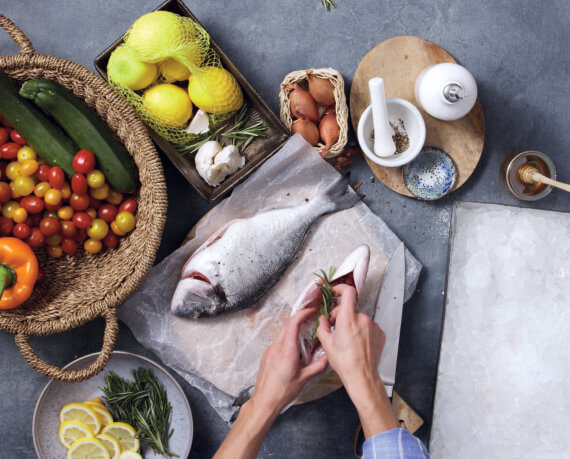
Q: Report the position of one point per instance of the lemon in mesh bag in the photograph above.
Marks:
(215, 90)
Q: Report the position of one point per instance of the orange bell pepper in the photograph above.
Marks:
(18, 272)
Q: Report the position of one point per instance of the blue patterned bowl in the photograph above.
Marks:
(431, 175)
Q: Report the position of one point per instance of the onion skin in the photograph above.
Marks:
(308, 130)
(329, 131)
(301, 103)
(321, 89)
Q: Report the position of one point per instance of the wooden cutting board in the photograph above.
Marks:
(399, 61)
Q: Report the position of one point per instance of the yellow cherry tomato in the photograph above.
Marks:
(54, 251)
(114, 197)
(20, 215)
(13, 170)
(24, 185)
(29, 167)
(98, 229)
(101, 192)
(65, 191)
(53, 240)
(91, 212)
(65, 212)
(9, 208)
(26, 153)
(125, 221)
(52, 197)
(41, 188)
(95, 178)
(115, 229)
(13, 191)
(92, 245)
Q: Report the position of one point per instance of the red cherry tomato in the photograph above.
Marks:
(5, 192)
(36, 239)
(50, 226)
(42, 173)
(56, 177)
(36, 219)
(111, 240)
(68, 245)
(54, 207)
(130, 205)
(10, 150)
(81, 235)
(107, 212)
(83, 162)
(68, 229)
(81, 220)
(16, 137)
(6, 226)
(4, 134)
(95, 203)
(79, 184)
(79, 201)
(22, 231)
(32, 204)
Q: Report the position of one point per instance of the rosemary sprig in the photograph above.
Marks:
(141, 402)
(328, 3)
(327, 298)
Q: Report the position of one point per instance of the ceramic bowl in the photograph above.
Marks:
(398, 109)
(431, 175)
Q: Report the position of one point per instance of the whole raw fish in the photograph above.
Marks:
(239, 263)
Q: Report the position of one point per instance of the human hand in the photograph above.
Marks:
(282, 374)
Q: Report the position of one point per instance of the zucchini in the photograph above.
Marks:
(44, 136)
(86, 129)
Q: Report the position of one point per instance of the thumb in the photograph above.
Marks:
(314, 368)
(324, 332)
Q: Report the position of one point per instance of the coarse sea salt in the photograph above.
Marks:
(504, 369)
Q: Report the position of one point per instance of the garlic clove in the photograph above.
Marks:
(200, 124)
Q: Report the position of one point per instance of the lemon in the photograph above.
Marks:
(71, 431)
(169, 104)
(125, 434)
(104, 416)
(130, 455)
(215, 90)
(96, 400)
(82, 413)
(88, 448)
(110, 444)
(172, 70)
(124, 68)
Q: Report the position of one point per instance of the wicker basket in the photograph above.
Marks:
(82, 287)
(299, 76)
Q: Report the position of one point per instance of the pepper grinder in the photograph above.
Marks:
(446, 91)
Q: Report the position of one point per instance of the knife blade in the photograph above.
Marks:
(389, 315)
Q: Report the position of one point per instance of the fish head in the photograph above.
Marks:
(196, 297)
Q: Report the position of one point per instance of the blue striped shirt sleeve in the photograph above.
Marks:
(394, 444)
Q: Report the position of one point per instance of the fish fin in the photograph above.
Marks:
(340, 193)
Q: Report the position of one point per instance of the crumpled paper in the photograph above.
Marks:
(220, 355)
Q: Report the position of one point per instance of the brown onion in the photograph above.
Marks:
(302, 104)
(321, 89)
(308, 130)
(329, 131)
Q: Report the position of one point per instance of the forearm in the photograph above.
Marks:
(248, 432)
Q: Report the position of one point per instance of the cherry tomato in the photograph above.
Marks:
(36, 239)
(35, 219)
(26, 153)
(100, 193)
(114, 197)
(95, 179)
(111, 240)
(68, 229)
(3, 165)
(42, 173)
(54, 251)
(65, 190)
(53, 240)
(25, 185)
(65, 213)
(56, 177)
(98, 229)
(79, 184)
(4, 134)
(9, 208)
(41, 274)
(50, 226)
(95, 203)
(16, 137)
(32, 204)
(92, 213)
(10, 150)
(81, 220)
(115, 229)
(15, 194)
(125, 221)
(54, 208)
(83, 162)
(29, 167)
(22, 231)
(81, 235)
(92, 245)
(41, 189)
(79, 201)
(107, 212)
(13, 170)
(53, 197)
(6, 226)
(130, 205)
(28, 221)
(50, 213)
(68, 245)
(5, 192)
(20, 216)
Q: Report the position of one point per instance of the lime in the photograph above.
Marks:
(169, 104)
(215, 90)
(124, 68)
(172, 70)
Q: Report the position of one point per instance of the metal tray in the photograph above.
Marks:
(256, 153)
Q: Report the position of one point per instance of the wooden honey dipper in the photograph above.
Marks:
(530, 175)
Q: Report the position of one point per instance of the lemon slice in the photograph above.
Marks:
(82, 413)
(111, 444)
(130, 455)
(94, 400)
(87, 448)
(71, 431)
(125, 434)
(104, 415)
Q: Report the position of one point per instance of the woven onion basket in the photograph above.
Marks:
(83, 287)
(299, 76)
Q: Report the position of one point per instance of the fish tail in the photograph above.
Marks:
(340, 195)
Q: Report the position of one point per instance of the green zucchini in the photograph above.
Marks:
(86, 129)
(44, 136)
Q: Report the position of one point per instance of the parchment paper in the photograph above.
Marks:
(220, 355)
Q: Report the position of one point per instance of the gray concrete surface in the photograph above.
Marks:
(517, 51)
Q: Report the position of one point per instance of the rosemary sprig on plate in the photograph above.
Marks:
(141, 402)
(327, 298)
(328, 3)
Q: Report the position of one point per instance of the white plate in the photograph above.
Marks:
(56, 394)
